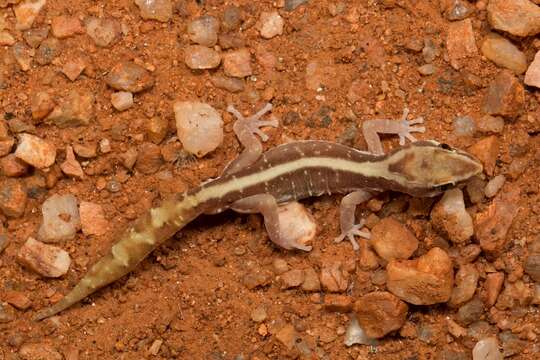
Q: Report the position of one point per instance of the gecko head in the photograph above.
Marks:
(431, 168)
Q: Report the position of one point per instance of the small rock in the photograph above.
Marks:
(22, 55)
(532, 266)
(122, 100)
(518, 17)
(3, 240)
(471, 311)
(333, 277)
(492, 225)
(5, 316)
(450, 217)
(256, 279)
(338, 303)
(71, 166)
(468, 254)
(379, 313)
(226, 83)
(160, 10)
(17, 299)
(41, 105)
(505, 96)
(156, 129)
(93, 220)
(490, 124)
(237, 63)
(392, 240)
(464, 126)
(199, 57)
(11, 166)
(296, 224)
(12, 198)
(6, 145)
(356, 335)
(73, 68)
(430, 51)
(511, 344)
(35, 151)
(65, 26)
(204, 30)
(105, 146)
(61, 219)
(6, 39)
(455, 329)
(77, 109)
(320, 75)
(287, 336)
(129, 158)
(532, 76)
(26, 12)
(466, 282)
(34, 37)
(47, 51)
(46, 260)
(493, 286)
(494, 185)
(199, 127)
(423, 281)
(270, 24)
(460, 42)
(232, 17)
(311, 280)
(280, 266)
(487, 349)
(458, 10)
(149, 159)
(259, 314)
(292, 279)
(514, 295)
(487, 151)
(367, 259)
(87, 151)
(103, 31)
(128, 76)
(39, 351)
(290, 5)
(427, 69)
(503, 53)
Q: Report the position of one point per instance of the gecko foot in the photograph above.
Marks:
(253, 122)
(352, 232)
(409, 127)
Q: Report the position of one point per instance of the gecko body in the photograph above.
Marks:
(258, 182)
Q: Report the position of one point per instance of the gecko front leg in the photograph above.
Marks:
(347, 211)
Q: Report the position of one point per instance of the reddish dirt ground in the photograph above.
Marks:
(189, 295)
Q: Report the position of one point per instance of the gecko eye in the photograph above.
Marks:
(443, 188)
(445, 146)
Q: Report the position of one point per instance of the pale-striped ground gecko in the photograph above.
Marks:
(257, 182)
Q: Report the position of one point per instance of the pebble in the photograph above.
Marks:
(460, 43)
(532, 76)
(11, 166)
(333, 277)
(290, 5)
(129, 158)
(231, 41)
(490, 124)
(35, 151)
(149, 158)
(61, 219)
(199, 127)
(494, 185)
(338, 303)
(493, 286)
(518, 17)
(122, 100)
(71, 166)
(492, 225)
(46, 260)
(22, 55)
(35, 36)
(296, 224)
(4, 241)
(76, 109)
(93, 219)
(41, 105)
(39, 351)
(259, 314)
(73, 68)
(280, 266)
(380, 313)
(427, 69)
(311, 280)
(455, 329)
(532, 266)
(128, 76)
(227, 83)
(204, 30)
(156, 129)
(424, 281)
(466, 282)
(87, 151)
(487, 151)
(458, 10)
(5, 316)
(471, 311)
(292, 278)
(17, 299)
(367, 259)
(26, 12)
(200, 57)
(105, 146)
(6, 39)
(103, 31)
(232, 18)
(505, 96)
(503, 53)
(13, 198)
(463, 126)
(487, 349)
(237, 63)
(65, 26)
(256, 279)
(288, 336)
(356, 335)
(392, 240)
(6, 145)
(160, 10)
(270, 24)
(47, 51)
(450, 217)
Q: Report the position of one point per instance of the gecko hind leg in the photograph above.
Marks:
(347, 211)
(267, 205)
(246, 129)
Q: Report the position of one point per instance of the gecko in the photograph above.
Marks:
(257, 182)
